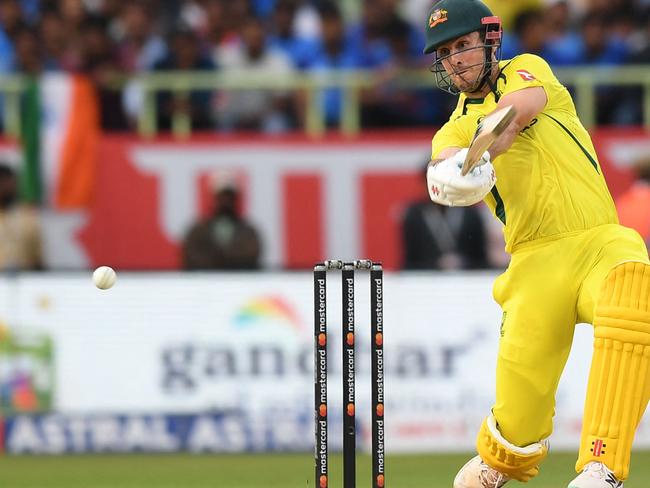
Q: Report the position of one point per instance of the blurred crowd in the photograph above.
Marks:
(105, 38)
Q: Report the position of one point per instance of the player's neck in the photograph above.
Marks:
(485, 87)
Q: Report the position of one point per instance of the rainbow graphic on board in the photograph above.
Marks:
(267, 308)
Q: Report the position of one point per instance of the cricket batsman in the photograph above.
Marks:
(571, 260)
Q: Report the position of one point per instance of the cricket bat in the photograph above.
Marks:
(490, 128)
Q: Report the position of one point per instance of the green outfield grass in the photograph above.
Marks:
(260, 471)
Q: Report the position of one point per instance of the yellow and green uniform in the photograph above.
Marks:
(549, 181)
(562, 231)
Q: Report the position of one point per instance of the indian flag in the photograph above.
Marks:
(60, 136)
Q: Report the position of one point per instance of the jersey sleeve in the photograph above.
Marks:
(449, 135)
(526, 71)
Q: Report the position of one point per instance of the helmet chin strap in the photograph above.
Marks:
(486, 75)
(487, 78)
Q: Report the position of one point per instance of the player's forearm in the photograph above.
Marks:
(528, 102)
(444, 154)
(505, 140)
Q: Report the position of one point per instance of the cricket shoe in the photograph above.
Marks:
(596, 475)
(477, 474)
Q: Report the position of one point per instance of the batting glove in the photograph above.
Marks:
(448, 187)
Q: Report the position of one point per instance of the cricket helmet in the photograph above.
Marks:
(449, 19)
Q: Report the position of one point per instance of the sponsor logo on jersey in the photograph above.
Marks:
(437, 17)
(525, 75)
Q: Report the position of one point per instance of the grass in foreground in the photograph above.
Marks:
(262, 470)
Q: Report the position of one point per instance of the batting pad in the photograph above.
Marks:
(520, 463)
(619, 379)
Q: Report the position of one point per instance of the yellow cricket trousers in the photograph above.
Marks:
(549, 287)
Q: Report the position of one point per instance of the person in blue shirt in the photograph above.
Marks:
(389, 103)
(299, 49)
(263, 8)
(531, 35)
(11, 19)
(598, 47)
(6, 53)
(371, 35)
(334, 51)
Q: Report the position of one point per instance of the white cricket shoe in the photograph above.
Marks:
(477, 474)
(596, 475)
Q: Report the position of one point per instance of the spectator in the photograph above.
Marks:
(634, 205)
(237, 15)
(185, 55)
(213, 25)
(192, 13)
(73, 15)
(601, 49)
(264, 8)
(627, 110)
(333, 52)
(608, 8)
(529, 35)
(111, 8)
(73, 12)
(532, 35)
(390, 104)
(54, 37)
(263, 110)
(11, 16)
(225, 240)
(299, 49)
(641, 42)
(443, 238)
(10, 21)
(306, 21)
(371, 36)
(558, 17)
(100, 63)
(562, 43)
(622, 27)
(30, 10)
(598, 47)
(140, 48)
(20, 232)
(368, 35)
(28, 59)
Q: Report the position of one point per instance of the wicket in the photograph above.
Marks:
(348, 356)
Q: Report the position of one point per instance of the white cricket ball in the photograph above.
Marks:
(104, 277)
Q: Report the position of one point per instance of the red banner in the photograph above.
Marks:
(311, 199)
(133, 226)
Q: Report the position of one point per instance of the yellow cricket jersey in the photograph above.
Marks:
(549, 182)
